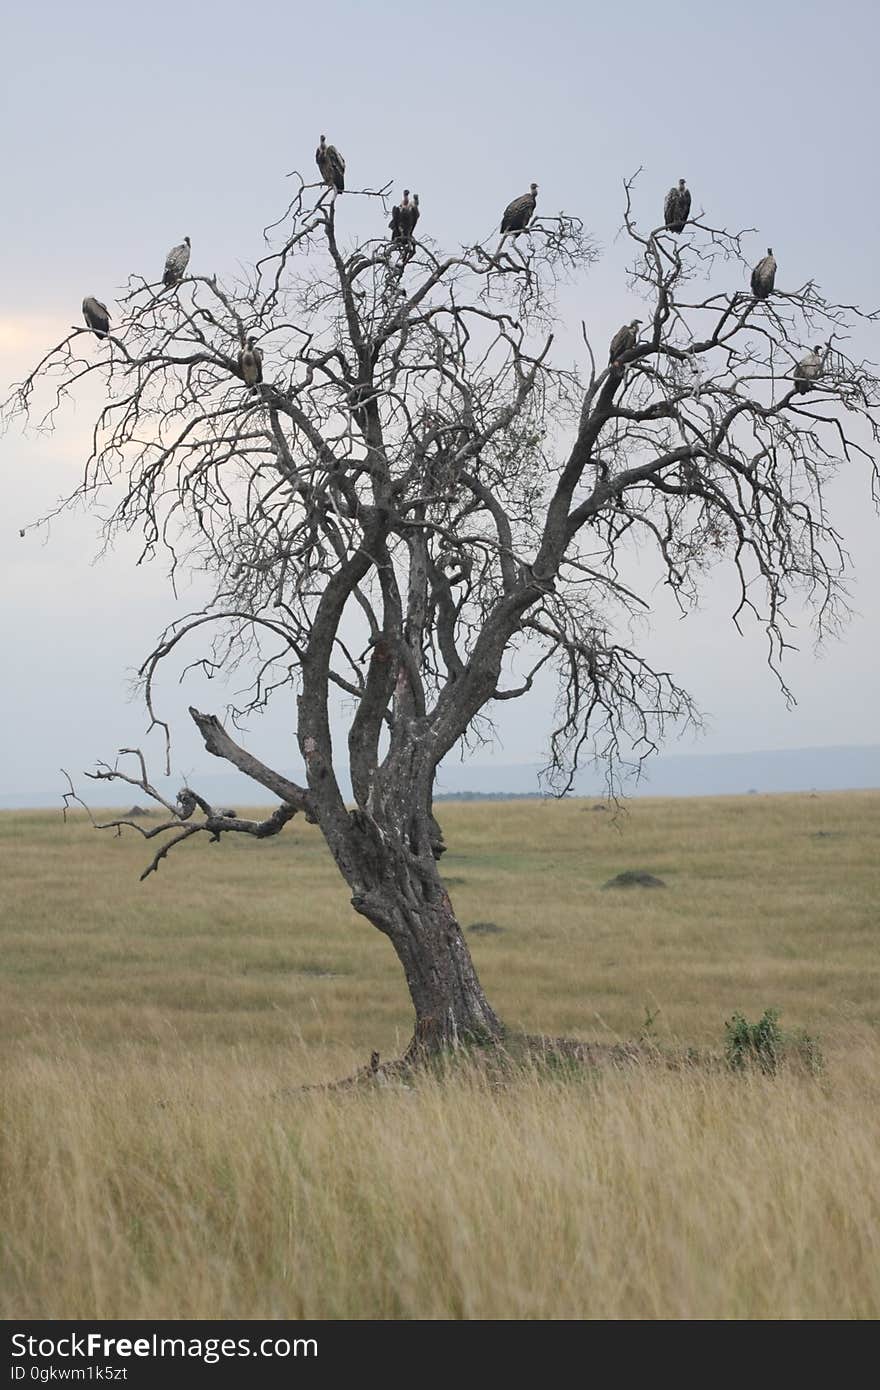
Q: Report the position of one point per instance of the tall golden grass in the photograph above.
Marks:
(160, 1157)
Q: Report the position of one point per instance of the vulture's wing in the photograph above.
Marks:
(337, 166)
(517, 213)
(619, 341)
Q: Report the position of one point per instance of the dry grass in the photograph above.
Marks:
(157, 1159)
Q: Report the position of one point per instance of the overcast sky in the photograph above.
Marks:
(129, 126)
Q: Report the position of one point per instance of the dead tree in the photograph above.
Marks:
(421, 494)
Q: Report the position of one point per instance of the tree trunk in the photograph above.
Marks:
(448, 998)
(410, 905)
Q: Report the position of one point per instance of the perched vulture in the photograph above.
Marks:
(176, 263)
(96, 315)
(519, 213)
(331, 165)
(250, 363)
(404, 216)
(625, 338)
(764, 275)
(676, 209)
(808, 370)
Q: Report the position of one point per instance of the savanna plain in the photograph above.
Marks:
(167, 1149)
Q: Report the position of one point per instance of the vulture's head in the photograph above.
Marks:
(534, 190)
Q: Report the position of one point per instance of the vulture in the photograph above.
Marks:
(808, 370)
(764, 275)
(96, 315)
(625, 338)
(176, 263)
(250, 363)
(676, 209)
(404, 216)
(519, 213)
(331, 165)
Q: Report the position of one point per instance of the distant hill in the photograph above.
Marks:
(684, 774)
(489, 796)
(693, 774)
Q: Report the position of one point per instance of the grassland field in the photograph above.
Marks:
(159, 1157)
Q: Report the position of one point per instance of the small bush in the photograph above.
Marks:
(748, 1044)
(764, 1044)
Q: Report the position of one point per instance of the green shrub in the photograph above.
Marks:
(753, 1044)
(764, 1044)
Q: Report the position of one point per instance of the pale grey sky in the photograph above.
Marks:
(130, 126)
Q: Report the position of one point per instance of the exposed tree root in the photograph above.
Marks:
(499, 1060)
